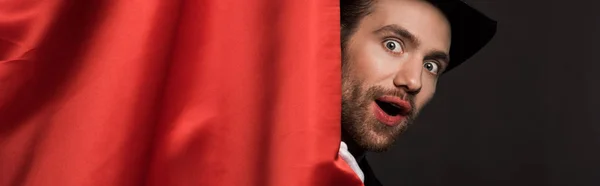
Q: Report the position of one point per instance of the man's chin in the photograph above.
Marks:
(376, 142)
(377, 148)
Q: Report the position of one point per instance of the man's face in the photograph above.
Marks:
(391, 65)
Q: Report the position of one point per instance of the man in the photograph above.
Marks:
(394, 52)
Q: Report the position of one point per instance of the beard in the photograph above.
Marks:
(358, 120)
(361, 125)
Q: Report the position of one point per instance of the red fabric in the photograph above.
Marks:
(144, 92)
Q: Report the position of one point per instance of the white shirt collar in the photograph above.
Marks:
(350, 160)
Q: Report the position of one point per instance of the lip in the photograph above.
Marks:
(389, 119)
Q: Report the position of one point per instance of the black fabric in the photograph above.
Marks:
(370, 178)
(471, 29)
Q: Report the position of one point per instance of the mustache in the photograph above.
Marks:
(375, 92)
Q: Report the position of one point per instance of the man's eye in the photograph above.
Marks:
(393, 46)
(432, 67)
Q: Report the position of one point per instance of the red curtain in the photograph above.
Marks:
(174, 92)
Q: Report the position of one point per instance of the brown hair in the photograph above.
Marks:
(352, 11)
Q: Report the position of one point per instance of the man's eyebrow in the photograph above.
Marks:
(401, 32)
(443, 57)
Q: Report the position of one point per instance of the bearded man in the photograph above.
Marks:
(394, 52)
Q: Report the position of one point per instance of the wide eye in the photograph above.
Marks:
(393, 46)
(431, 66)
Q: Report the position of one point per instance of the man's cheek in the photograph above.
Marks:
(422, 101)
(428, 90)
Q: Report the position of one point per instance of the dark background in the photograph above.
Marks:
(523, 111)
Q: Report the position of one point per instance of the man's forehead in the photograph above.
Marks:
(420, 18)
(417, 5)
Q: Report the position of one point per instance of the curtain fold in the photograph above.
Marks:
(170, 93)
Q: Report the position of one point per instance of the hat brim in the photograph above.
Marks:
(471, 30)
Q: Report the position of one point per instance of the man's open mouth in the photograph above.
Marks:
(389, 108)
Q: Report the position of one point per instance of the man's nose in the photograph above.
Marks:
(408, 76)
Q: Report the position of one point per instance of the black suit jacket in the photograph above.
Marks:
(370, 179)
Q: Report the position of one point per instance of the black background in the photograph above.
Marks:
(523, 111)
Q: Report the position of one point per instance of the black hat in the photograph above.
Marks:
(471, 30)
